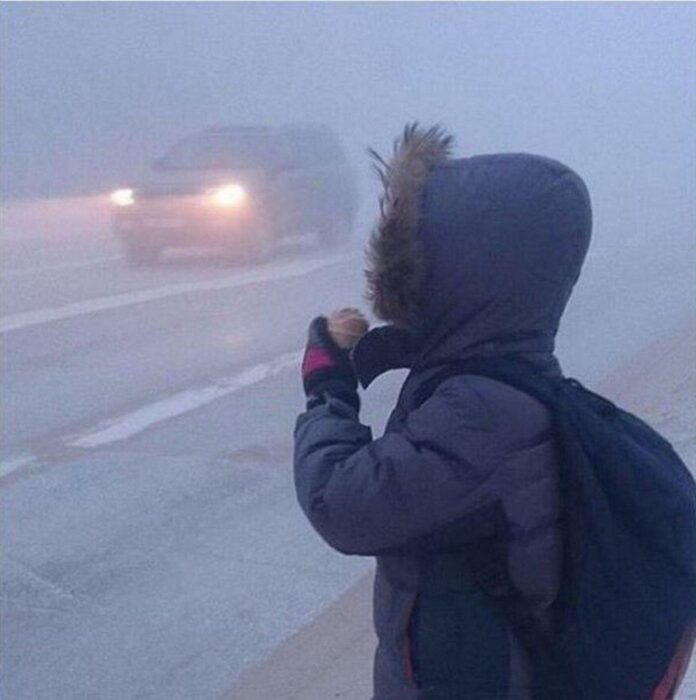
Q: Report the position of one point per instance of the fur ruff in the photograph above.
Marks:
(394, 260)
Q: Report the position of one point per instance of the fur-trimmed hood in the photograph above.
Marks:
(472, 252)
(395, 269)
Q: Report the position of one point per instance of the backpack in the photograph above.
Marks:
(628, 589)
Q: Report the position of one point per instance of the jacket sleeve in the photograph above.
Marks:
(366, 496)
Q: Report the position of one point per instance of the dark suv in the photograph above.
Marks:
(245, 189)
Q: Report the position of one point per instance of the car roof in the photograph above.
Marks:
(261, 129)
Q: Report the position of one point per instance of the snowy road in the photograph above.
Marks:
(151, 543)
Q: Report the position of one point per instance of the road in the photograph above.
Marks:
(151, 544)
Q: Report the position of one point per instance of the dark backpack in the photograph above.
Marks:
(628, 589)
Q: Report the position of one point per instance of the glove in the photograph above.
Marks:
(326, 368)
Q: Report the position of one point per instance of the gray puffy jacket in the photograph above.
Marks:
(499, 243)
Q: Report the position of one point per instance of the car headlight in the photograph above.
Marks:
(229, 196)
(122, 198)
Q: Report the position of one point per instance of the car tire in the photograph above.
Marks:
(263, 248)
(255, 250)
(138, 254)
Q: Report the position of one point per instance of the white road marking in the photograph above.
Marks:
(130, 424)
(22, 271)
(7, 466)
(266, 273)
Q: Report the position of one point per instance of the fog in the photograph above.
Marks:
(151, 544)
(90, 92)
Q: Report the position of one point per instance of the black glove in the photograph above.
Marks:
(326, 368)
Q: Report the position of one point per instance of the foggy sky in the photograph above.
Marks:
(91, 92)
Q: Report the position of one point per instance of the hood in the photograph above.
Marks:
(474, 255)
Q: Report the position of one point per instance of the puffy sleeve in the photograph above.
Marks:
(366, 496)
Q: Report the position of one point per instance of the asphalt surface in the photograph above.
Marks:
(150, 541)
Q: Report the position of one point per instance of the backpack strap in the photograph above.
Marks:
(551, 678)
(488, 556)
(514, 370)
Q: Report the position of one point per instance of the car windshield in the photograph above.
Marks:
(222, 151)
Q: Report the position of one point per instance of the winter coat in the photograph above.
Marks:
(475, 256)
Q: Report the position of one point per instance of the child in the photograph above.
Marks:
(471, 257)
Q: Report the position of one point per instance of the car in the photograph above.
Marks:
(241, 189)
